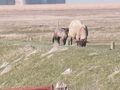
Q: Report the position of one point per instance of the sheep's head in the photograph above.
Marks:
(81, 43)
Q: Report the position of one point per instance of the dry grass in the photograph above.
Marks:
(103, 25)
(25, 45)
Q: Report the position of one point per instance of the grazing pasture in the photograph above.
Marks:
(28, 57)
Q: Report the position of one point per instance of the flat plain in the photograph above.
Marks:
(28, 57)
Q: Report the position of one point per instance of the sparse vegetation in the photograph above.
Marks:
(92, 67)
(26, 49)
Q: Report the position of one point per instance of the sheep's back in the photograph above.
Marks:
(74, 28)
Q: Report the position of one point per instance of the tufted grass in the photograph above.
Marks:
(25, 45)
(93, 67)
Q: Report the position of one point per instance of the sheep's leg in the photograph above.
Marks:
(53, 39)
(58, 40)
(70, 40)
(61, 41)
(64, 40)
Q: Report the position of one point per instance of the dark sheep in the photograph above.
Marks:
(60, 35)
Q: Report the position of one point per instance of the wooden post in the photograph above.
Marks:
(58, 24)
(112, 45)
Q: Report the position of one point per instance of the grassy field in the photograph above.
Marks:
(28, 57)
(95, 67)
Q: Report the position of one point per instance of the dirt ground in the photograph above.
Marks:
(103, 21)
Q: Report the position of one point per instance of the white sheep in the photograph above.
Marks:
(79, 32)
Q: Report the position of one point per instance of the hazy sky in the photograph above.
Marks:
(93, 1)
